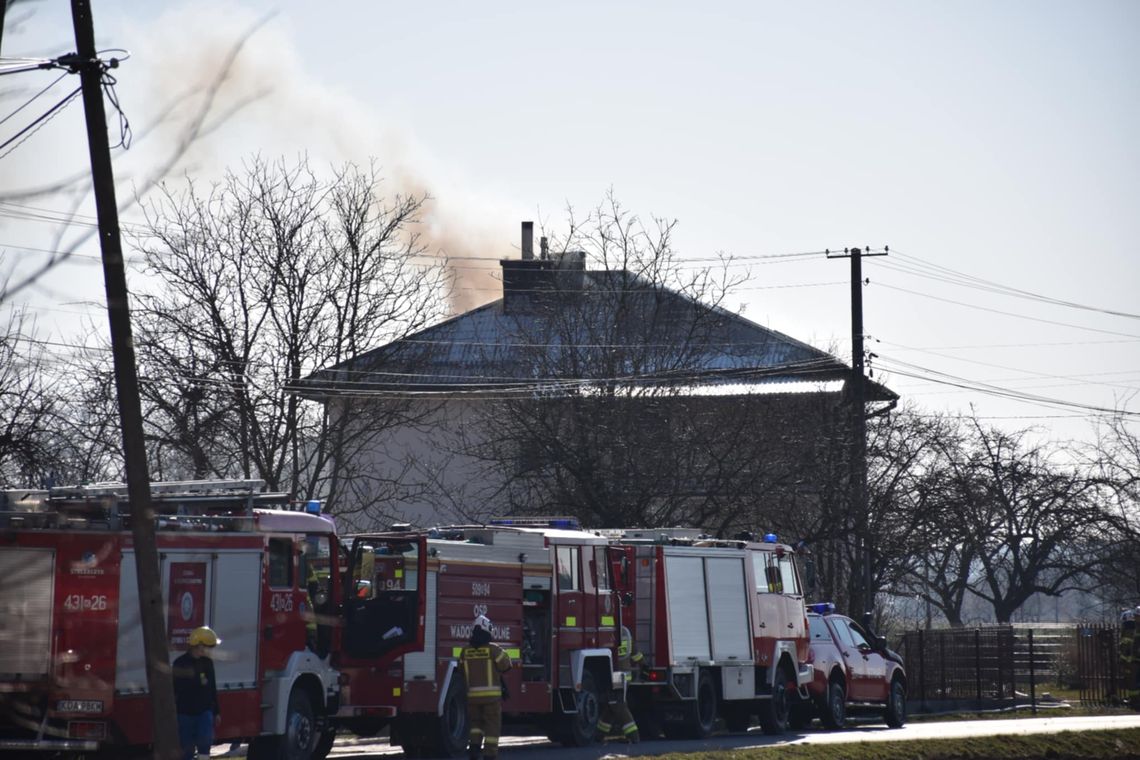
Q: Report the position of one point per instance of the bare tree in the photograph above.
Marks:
(1116, 457)
(268, 275)
(28, 406)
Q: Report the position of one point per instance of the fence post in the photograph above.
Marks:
(978, 664)
(1032, 676)
(942, 667)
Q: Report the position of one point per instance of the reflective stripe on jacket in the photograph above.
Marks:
(481, 668)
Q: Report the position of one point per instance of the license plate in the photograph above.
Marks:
(79, 706)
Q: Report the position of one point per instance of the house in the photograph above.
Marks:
(600, 393)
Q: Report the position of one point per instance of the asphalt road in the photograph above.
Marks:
(539, 748)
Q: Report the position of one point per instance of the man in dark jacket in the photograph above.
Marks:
(196, 693)
(483, 666)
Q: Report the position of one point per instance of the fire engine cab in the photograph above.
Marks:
(723, 628)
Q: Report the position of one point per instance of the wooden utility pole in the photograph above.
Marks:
(858, 476)
(159, 680)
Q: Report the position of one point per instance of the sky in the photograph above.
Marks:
(990, 145)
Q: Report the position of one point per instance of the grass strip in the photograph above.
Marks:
(1065, 745)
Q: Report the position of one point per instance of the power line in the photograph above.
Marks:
(1005, 313)
(34, 97)
(967, 280)
(924, 373)
(35, 125)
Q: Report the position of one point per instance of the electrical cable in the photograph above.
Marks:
(34, 97)
(35, 126)
(882, 284)
(988, 287)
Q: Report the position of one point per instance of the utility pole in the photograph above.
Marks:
(159, 680)
(858, 477)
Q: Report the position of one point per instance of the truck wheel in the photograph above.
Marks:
(774, 711)
(833, 712)
(450, 729)
(895, 714)
(300, 736)
(701, 719)
(583, 725)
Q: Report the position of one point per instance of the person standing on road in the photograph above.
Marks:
(484, 664)
(616, 710)
(196, 693)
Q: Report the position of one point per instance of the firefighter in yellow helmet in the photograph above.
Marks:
(484, 664)
(196, 693)
(616, 712)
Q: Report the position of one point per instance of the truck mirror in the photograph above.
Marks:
(626, 599)
(881, 643)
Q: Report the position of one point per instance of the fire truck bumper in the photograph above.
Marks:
(49, 745)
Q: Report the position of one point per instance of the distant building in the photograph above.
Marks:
(571, 341)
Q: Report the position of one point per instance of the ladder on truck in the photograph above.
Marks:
(211, 505)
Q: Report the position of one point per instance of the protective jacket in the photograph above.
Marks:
(482, 667)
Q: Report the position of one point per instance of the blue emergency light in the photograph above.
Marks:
(769, 538)
(822, 608)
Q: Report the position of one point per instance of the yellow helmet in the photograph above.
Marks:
(203, 636)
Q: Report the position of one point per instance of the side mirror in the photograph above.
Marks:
(626, 599)
(881, 643)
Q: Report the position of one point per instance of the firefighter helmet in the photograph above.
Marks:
(203, 636)
(482, 622)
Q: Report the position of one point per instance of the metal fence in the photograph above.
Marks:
(999, 667)
(983, 668)
(1098, 662)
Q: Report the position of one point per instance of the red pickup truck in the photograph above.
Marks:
(854, 672)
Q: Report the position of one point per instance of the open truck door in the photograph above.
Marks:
(385, 596)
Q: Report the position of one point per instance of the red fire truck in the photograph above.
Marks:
(545, 585)
(723, 628)
(319, 632)
(72, 671)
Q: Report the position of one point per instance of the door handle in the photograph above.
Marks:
(791, 625)
(763, 624)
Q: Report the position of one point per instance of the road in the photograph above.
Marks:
(538, 748)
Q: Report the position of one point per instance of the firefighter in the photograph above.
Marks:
(484, 664)
(616, 711)
(1130, 657)
(196, 693)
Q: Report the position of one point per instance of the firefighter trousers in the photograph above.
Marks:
(617, 719)
(485, 721)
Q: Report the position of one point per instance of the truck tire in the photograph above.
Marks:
(895, 714)
(449, 730)
(833, 711)
(300, 737)
(581, 728)
(775, 710)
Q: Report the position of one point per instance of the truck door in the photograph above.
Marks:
(606, 614)
(569, 621)
(624, 584)
(385, 595)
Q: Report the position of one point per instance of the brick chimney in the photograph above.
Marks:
(530, 284)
